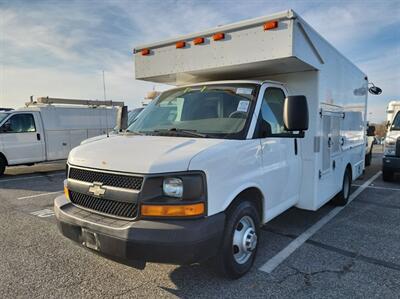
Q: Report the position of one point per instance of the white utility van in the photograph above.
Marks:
(266, 115)
(47, 129)
(391, 152)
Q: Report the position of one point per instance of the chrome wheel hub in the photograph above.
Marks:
(244, 240)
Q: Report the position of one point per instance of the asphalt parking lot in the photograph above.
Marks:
(355, 254)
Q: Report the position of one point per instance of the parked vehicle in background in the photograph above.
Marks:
(150, 96)
(391, 149)
(280, 122)
(391, 111)
(47, 130)
(132, 115)
(369, 144)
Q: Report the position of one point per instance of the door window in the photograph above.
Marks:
(272, 110)
(19, 123)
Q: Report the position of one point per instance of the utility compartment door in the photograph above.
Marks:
(330, 176)
(332, 140)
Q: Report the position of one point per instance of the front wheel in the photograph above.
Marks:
(342, 198)
(239, 245)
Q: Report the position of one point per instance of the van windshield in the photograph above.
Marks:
(214, 111)
(396, 122)
(3, 116)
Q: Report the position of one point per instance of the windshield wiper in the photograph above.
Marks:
(182, 132)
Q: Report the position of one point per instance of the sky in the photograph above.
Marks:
(60, 48)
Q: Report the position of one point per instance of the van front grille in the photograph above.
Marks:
(102, 205)
(107, 179)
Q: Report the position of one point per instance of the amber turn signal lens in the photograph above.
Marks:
(145, 52)
(198, 41)
(218, 36)
(66, 192)
(180, 45)
(271, 25)
(173, 210)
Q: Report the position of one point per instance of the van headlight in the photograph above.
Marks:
(173, 187)
(174, 194)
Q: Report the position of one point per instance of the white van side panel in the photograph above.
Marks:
(66, 127)
(57, 144)
(343, 91)
(339, 91)
(338, 117)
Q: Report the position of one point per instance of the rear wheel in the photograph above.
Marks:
(3, 164)
(387, 175)
(239, 246)
(342, 198)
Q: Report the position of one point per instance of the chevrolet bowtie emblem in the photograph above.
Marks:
(97, 190)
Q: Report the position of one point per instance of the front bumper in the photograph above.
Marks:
(166, 241)
(391, 163)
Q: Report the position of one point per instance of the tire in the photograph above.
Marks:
(342, 198)
(240, 242)
(368, 158)
(3, 164)
(387, 175)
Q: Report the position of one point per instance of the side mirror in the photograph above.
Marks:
(371, 131)
(375, 90)
(295, 114)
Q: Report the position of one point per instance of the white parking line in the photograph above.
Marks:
(38, 195)
(32, 177)
(381, 188)
(274, 262)
(43, 213)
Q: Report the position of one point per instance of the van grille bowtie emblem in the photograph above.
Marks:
(97, 190)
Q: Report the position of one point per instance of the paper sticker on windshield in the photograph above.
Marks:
(243, 106)
(242, 90)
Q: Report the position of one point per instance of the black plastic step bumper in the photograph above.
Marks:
(166, 241)
(391, 163)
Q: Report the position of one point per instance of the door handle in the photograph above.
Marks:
(38, 136)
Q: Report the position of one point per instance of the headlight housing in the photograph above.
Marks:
(389, 146)
(174, 195)
(173, 187)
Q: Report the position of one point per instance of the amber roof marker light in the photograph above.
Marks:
(270, 25)
(145, 52)
(180, 44)
(198, 41)
(219, 36)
